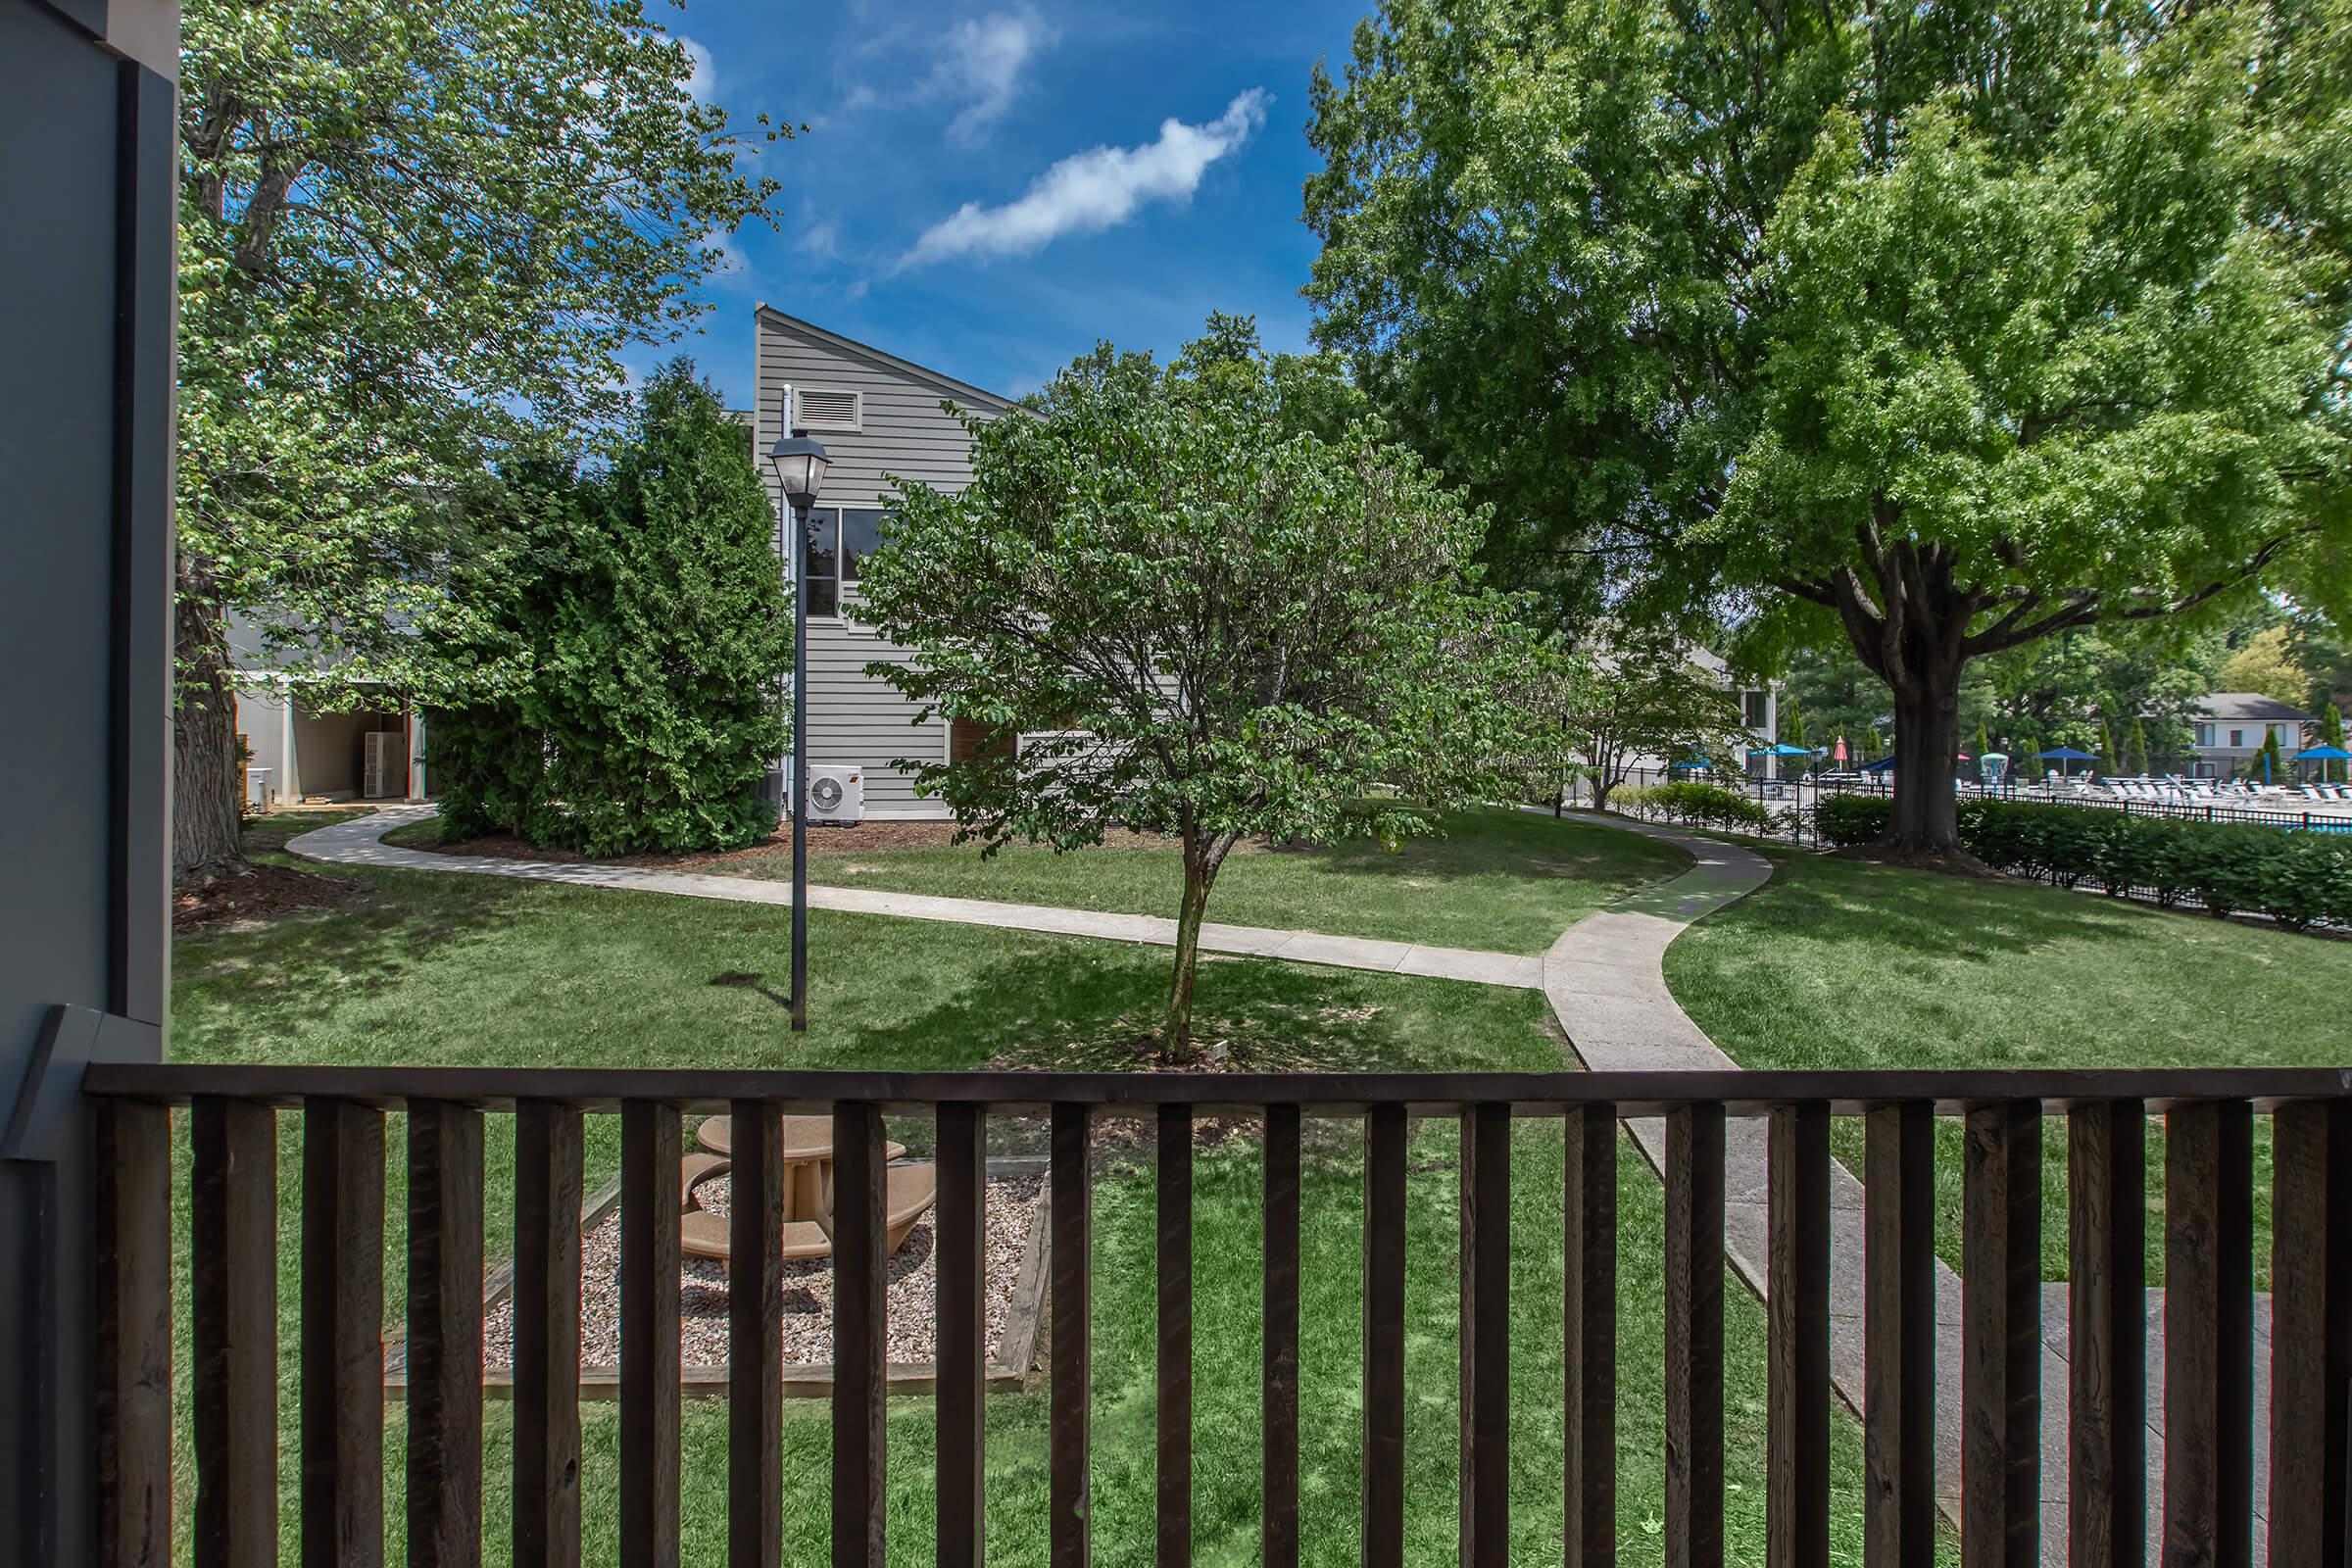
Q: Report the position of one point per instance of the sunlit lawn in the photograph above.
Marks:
(438, 969)
(1838, 965)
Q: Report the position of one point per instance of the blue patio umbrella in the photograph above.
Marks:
(2064, 753)
(1777, 749)
(2321, 754)
(1884, 765)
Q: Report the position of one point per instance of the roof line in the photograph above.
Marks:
(884, 356)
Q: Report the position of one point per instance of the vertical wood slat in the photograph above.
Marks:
(445, 1335)
(134, 1334)
(2001, 1385)
(1590, 1451)
(755, 1335)
(961, 1283)
(1070, 1415)
(342, 1334)
(548, 1176)
(1174, 1408)
(1485, 1334)
(2107, 1335)
(1383, 1539)
(1695, 1160)
(1899, 1338)
(1797, 1343)
(1279, 1376)
(860, 1335)
(651, 1201)
(234, 1289)
(2208, 1335)
(2311, 1335)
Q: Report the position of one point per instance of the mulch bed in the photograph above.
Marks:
(257, 893)
(1951, 863)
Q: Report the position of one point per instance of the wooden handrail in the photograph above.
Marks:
(1434, 1093)
(2207, 1426)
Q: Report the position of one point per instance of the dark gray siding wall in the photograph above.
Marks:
(853, 717)
(87, 208)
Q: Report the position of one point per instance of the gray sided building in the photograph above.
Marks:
(88, 199)
(880, 419)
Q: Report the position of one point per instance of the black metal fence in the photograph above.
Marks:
(1788, 806)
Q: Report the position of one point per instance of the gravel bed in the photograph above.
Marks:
(807, 1291)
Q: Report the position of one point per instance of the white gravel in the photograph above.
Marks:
(807, 1291)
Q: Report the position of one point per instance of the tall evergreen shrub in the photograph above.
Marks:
(651, 604)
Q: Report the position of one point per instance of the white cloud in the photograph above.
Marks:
(981, 64)
(704, 76)
(982, 61)
(1092, 191)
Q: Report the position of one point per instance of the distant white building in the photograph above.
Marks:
(2230, 729)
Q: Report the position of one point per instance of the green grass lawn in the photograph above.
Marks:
(1838, 964)
(1500, 880)
(428, 968)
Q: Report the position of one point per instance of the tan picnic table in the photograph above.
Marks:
(807, 1192)
(808, 1160)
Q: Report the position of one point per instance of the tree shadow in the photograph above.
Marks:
(299, 968)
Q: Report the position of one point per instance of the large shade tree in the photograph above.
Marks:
(411, 235)
(1936, 330)
(1200, 617)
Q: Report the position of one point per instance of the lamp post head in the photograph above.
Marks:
(799, 465)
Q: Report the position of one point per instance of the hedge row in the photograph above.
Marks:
(2298, 879)
(1698, 805)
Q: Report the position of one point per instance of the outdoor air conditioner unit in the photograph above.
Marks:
(837, 795)
(387, 765)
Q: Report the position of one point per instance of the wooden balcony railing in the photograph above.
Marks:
(2208, 1441)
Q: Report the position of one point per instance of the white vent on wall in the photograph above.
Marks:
(829, 411)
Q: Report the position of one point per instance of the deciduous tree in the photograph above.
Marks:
(1198, 624)
(2267, 664)
(411, 234)
(1643, 696)
(1940, 330)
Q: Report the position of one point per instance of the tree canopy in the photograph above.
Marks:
(1181, 611)
(410, 237)
(1935, 332)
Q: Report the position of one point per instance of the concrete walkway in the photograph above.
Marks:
(1606, 981)
(358, 842)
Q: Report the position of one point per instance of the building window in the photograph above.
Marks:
(840, 538)
(2237, 738)
(2205, 734)
(1755, 707)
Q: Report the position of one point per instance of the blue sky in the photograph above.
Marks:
(990, 188)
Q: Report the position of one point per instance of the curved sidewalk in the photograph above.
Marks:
(358, 842)
(1607, 982)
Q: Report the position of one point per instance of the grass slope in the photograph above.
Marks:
(430, 968)
(1838, 965)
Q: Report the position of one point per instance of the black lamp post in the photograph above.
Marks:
(799, 465)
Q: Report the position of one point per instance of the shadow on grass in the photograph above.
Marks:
(300, 968)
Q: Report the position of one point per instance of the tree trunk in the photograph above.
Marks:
(1201, 863)
(205, 811)
(1927, 742)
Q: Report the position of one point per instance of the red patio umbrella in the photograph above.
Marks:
(1838, 755)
